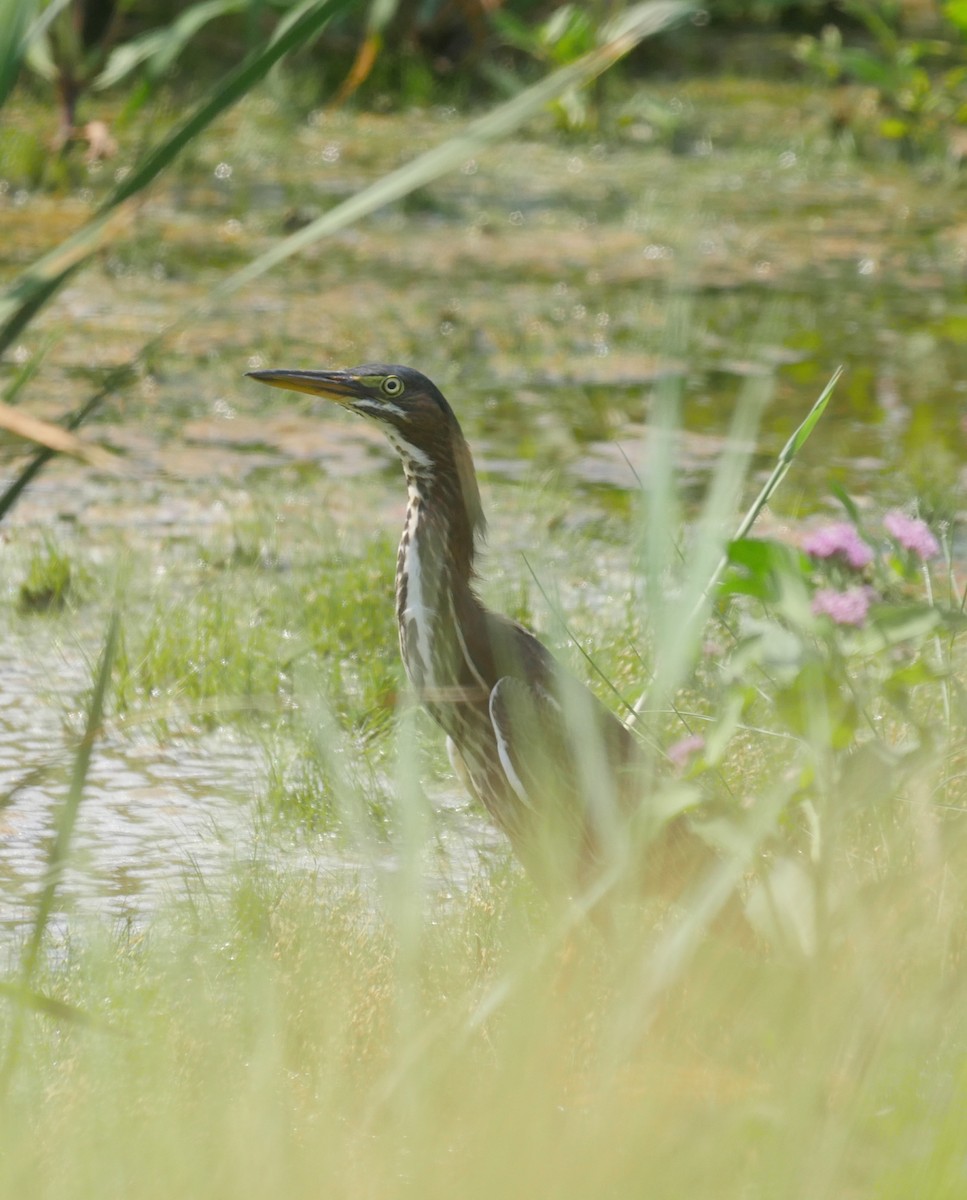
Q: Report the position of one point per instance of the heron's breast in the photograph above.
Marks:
(415, 611)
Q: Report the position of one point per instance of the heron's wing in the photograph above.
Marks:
(561, 733)
(567, 761)
(529, 730)
(552, 835)
(575, 773)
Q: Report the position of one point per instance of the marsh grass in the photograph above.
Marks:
(293, 1039)
(246, 624)
(49, 581)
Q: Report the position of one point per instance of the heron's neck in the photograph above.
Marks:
(438, 544)
(434, 570)
(443, 513)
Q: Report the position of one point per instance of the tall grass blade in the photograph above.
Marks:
(723, 496)
(16, 488)
(41, 1003)
(67, 818)
(381, 12)
(54, 437)
(783, 463)
(158, 49)
(677, 619)
(14, 18)
(704, 573)
(27, 371)
(662, 513)
(63, 835)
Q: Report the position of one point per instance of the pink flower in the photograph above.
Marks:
(845, 608)
(839, 541)
(681, 751)
(912, 534)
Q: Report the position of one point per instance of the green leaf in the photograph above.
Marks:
(913, 674)
(37, 53)
(955, 11)
(15, 16)
(891, 624)
(42, 1003)
(847, 502)
(894, 128)
(772, 572)
(762, 556)
(670, 802)
(817, 706)
(770, 646)
(903, 622)
(722, 732)
(784, 462)
(159, 48)
(953, 619)
(869, 68)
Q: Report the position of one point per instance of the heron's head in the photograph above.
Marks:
(412, 411)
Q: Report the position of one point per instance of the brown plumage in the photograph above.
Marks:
(556, 770)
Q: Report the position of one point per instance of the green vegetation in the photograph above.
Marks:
(911, 92)
(255, 642)
(242, 632)
(388, 1033)
(382, 1012)
(49, 580)
(310, 1042)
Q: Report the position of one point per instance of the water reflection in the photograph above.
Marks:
(167, 820)
(154, 818)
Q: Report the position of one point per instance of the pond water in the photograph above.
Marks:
(160, 822)
(541, 286)
(155, 820)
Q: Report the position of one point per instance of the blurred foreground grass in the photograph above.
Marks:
(304, 1040)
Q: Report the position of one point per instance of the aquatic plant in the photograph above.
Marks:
(856, 672)
(913, 89)
(48, 581)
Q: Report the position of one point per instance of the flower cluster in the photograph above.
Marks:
(912, 534)
(681, 751)
(841, 542)
(844, 608)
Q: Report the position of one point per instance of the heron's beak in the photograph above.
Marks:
(341, 386)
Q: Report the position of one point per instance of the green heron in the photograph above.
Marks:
(554, 768)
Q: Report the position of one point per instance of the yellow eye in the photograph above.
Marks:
(392, 385)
